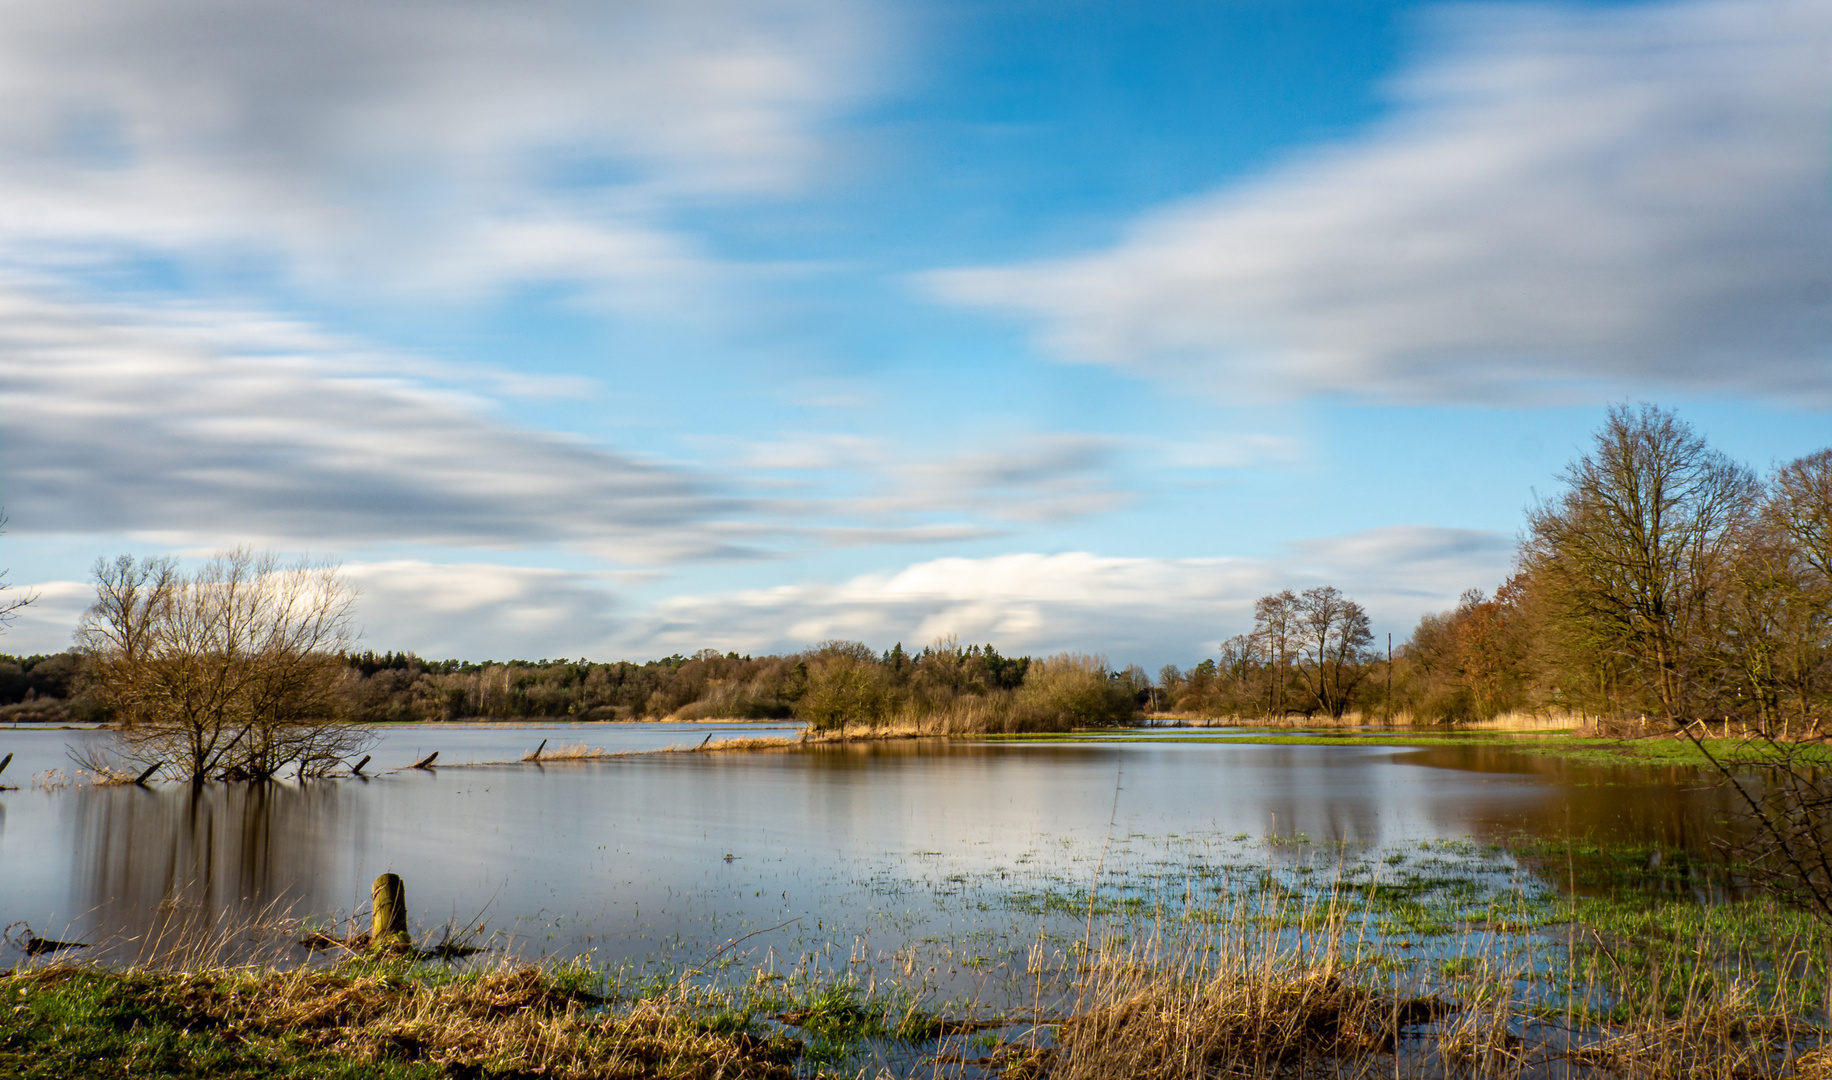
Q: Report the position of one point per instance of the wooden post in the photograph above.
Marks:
(358, 768)
(4, 762)
(148, 774)
(538, 749)
(388, 926)
(427, 762)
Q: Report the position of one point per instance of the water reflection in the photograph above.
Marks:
(648, 857)
(230, 851)
(1675, 807)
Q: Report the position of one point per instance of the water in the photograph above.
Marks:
(924, 850)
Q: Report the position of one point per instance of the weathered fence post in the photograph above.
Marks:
(388, 927)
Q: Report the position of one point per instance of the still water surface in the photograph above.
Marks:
(655, 858)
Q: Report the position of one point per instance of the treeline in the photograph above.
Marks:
(945, 685)
(44, 687)
(1665, 583)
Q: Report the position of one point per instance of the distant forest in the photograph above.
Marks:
(1665, 582)
(945, 686)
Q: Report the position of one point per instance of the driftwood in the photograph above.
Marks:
(148, 774)
(357, 769)
(33, 945)
(427, 761)
(5, 761)
(536, 756)
(704, 741)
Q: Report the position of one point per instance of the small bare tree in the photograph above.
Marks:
(231, 672)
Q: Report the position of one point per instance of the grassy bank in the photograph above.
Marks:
(1283, 958)
(1162, 1001)
(362, 1019)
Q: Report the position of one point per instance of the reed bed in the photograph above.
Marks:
(1340, 981)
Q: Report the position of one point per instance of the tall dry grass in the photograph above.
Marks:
(1311, 992)
(1542, 720)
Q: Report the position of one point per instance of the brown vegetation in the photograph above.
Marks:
(945, 688)
(1665, 586)
(232, 671)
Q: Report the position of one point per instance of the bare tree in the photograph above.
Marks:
(1631, 553)
(233, 671)
(1332, 637)
(1275, 632)
(1802, 501)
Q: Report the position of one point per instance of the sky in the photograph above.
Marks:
(620, 329)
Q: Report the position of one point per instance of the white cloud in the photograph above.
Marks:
(411, 144)
(47, 624)
(1040, 477)
(1567, 202)
(481, 611)
(205, 427)
(1149, 609)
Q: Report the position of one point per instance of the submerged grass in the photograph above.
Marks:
(1197, 958)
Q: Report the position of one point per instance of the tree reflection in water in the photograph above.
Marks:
(167, 862)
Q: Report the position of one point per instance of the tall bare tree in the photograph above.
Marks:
(233, 671)
(1275, 633)
(1802, 501)
(1332, 637)
(1632, 551)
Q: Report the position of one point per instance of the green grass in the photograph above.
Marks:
(368, 1019)
(110, 1024)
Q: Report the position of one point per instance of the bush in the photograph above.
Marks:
(844, 689)
(1072, 690)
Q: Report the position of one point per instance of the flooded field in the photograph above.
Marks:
(868, 848)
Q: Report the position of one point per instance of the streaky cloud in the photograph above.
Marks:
(1566, 204)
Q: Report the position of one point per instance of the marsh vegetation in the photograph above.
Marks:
(1282, 957)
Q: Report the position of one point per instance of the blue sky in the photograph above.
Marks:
(615, 330)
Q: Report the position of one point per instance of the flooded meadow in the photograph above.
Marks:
(946, 878)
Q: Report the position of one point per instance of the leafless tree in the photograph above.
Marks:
(1802, 501)
(1633, 551)
(1332, 637)
(1274, 637)
(233, 671)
